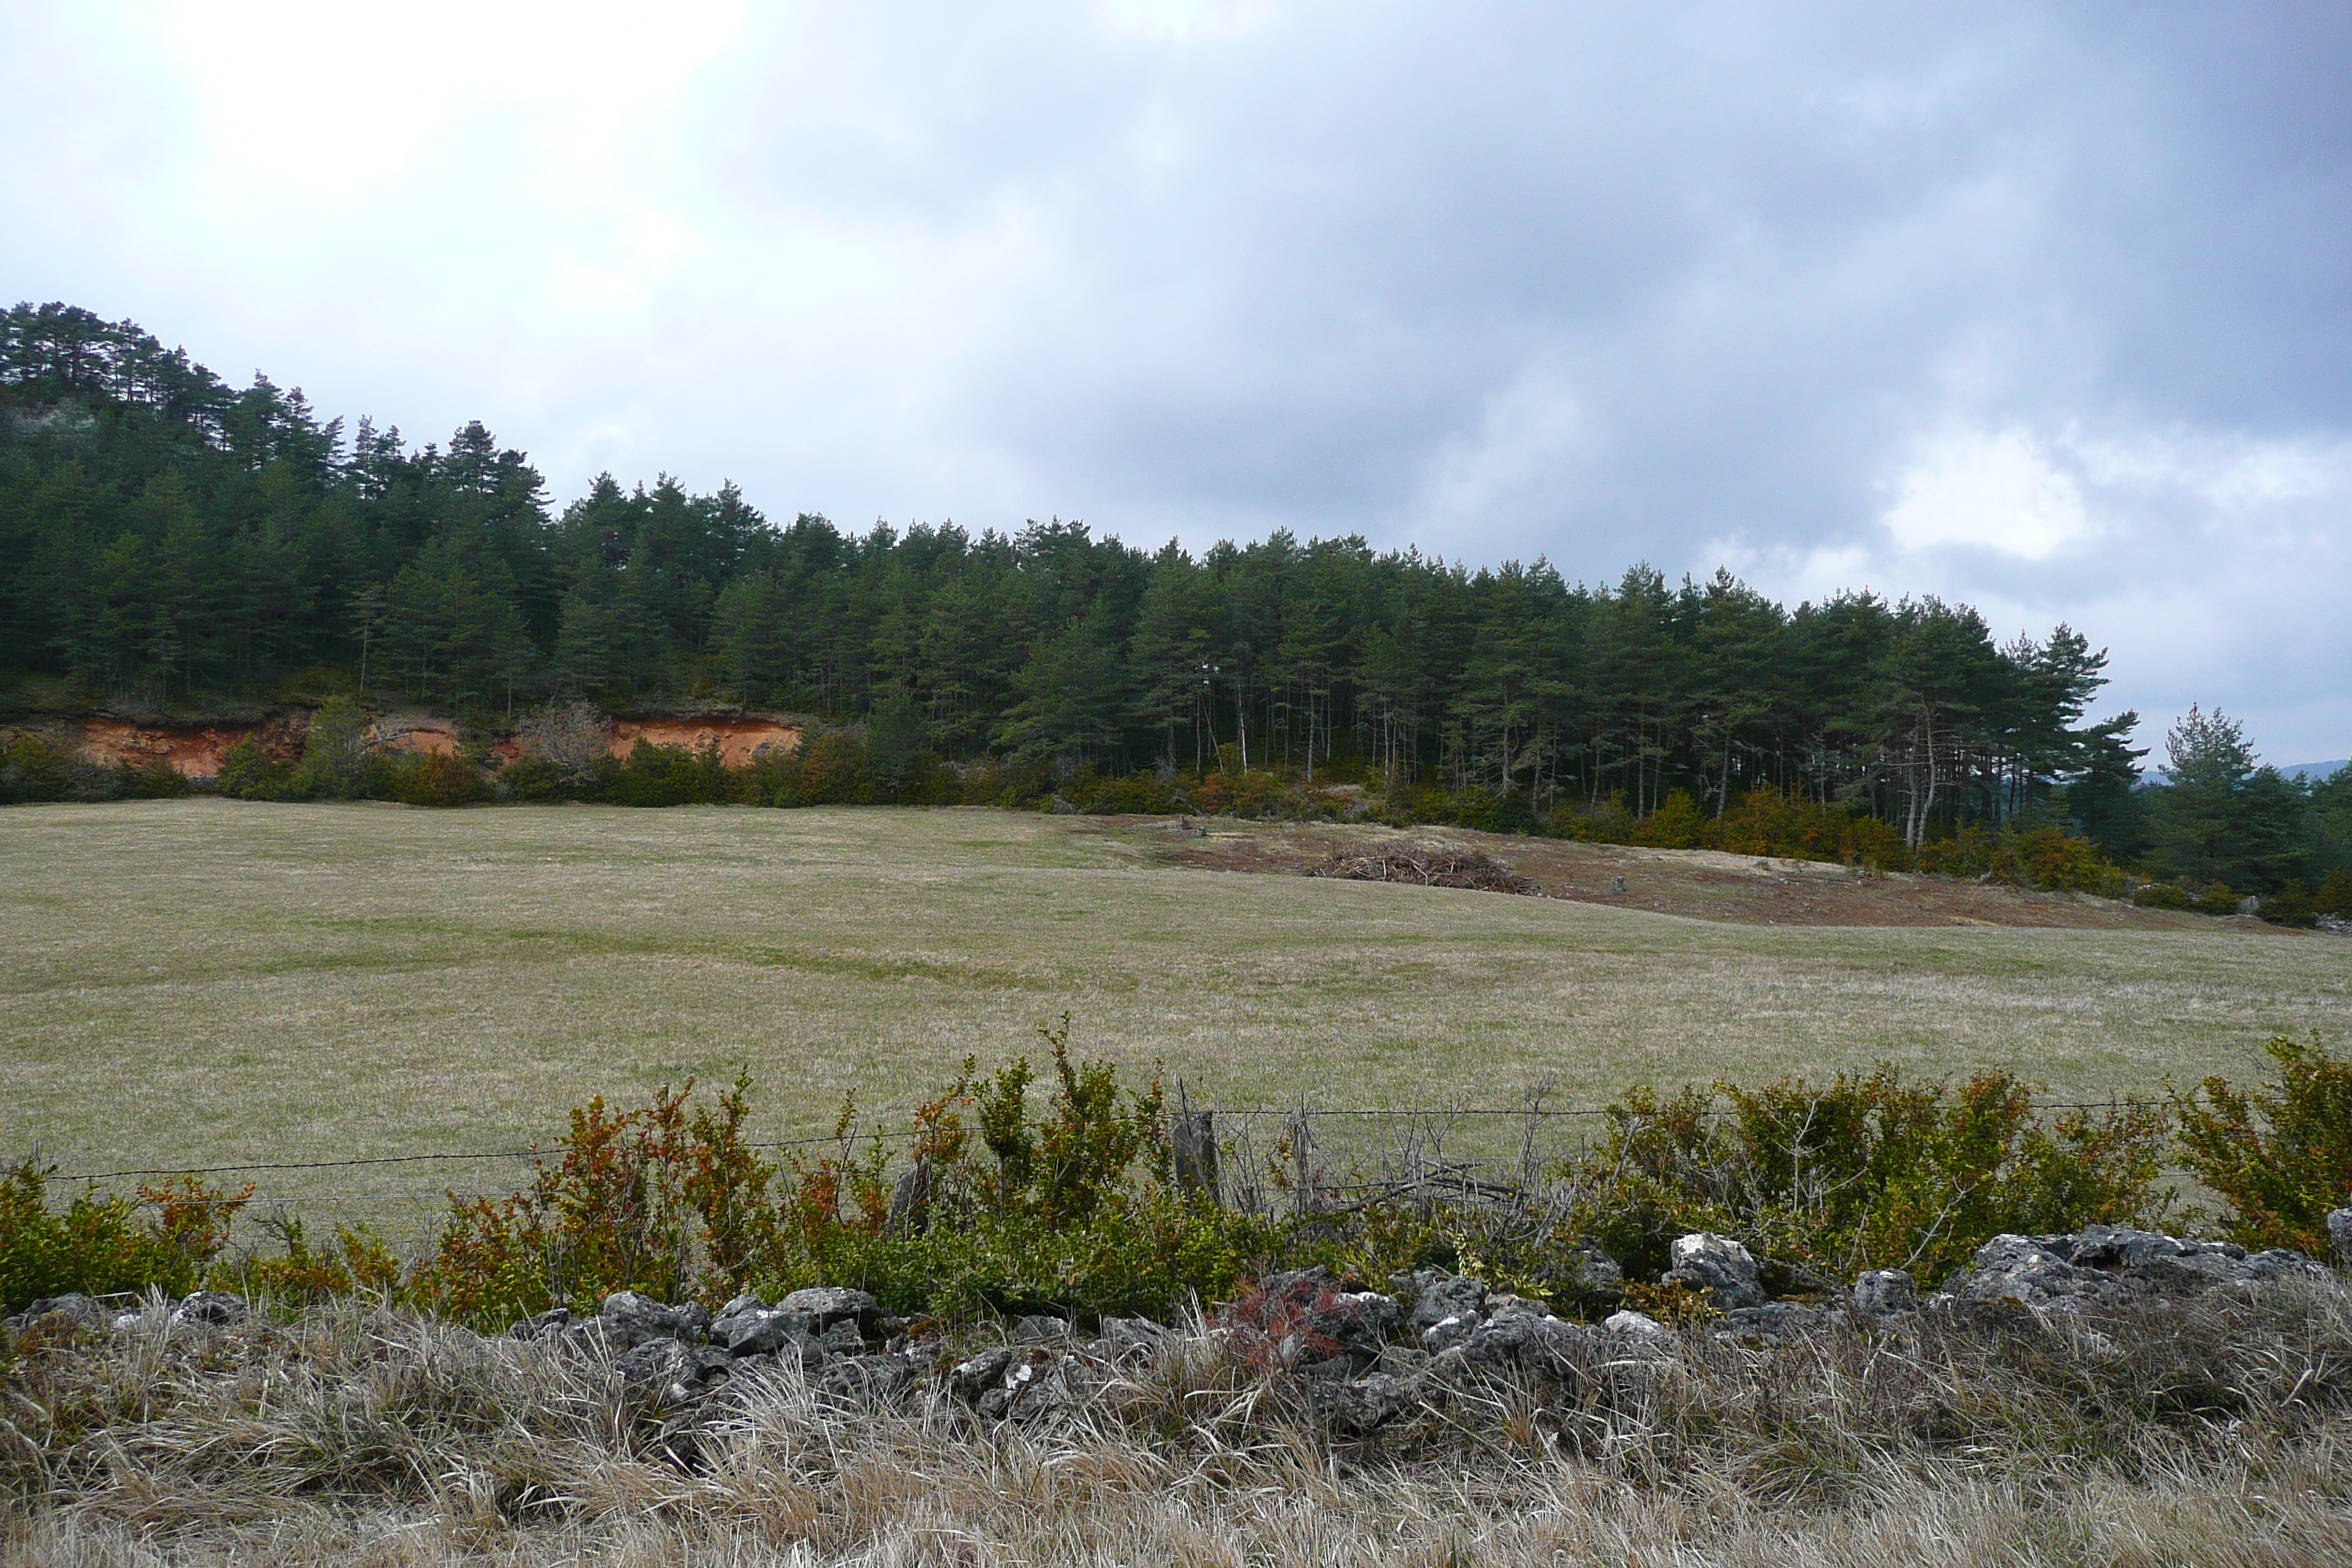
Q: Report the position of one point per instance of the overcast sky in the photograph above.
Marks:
(2048, 308)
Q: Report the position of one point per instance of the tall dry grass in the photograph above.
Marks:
(2214, 1434)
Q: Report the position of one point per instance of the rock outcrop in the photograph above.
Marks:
(1363, 1361)
(2103, 1264)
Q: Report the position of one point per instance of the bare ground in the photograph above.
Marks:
(1701, 884)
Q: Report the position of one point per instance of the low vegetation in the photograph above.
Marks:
(2216, 1432)
(2216, 1428)
(992, 1202)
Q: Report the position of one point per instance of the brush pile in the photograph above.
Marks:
(1430, 869)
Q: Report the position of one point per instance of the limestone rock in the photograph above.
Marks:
(1635, 1325)
(217, 1308)
(867, 1380)
(1719, 1268)
(1885, 1293)
(1358, 1406)
(1549, 1348)
(829, 1304)
(757, 1330)
(1774, 1322)
(1437, 1297)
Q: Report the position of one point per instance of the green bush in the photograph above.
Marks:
(250, 770)
(656, 775)
(1865, 1172)
(532, 778)
(334, 754)
(432, 779)
(2282, 1154)
(2163, 896)
(2218, 899)
(165, 1238)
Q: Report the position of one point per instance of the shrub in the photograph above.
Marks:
(166, 1237)
(656, 775)
(2335, 894)
(531, 777)
(1866, 1171)
(2162, 896)
(834, 769)
(2218, 899)
(432, 779)
(2282, 1154)
(615, 1210)
(249, 771)
(571, 738)
(357, 1262)
(334, 752)
(997, 1207)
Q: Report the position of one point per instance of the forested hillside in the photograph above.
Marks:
(171, 544)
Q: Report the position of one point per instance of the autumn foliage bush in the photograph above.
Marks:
(166, 1236)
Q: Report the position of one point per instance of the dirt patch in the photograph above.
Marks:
(195, 749)
(415, 734)
(1703, 884)
(1445, 868)
(737, 739)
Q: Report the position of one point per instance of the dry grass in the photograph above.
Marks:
(2220, 1436)
(208, 982)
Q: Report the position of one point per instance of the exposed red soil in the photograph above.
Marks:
(413, 733)
(736, 738)
(1701, 883)
(195, 749)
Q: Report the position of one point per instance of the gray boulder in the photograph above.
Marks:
(1040, 1328)
(216, 1308)
(756, 1329)
(1358, 1406)
(1130, 1337)
(1437, 1297)
(1036, 1389)
(1635, 1325)
(2340, 1231)
(2027, 1271)
(73, 1306)
(1773, 1323)
(973, 1378)
(1885, 1293)
(541, 1325)
(1355, 1324)
(2104, 1265)
(867, 1380)
(631, 1317)
(1524, 1347)
(671, 1372)
(1449, 1332)
(1716, 1266)
(829, 1304)
(845, 1338)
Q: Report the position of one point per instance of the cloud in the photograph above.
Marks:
(1997, 490)
(2040, 305)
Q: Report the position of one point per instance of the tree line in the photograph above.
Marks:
(169, 542)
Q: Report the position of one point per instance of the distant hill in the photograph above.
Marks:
(2292, 770)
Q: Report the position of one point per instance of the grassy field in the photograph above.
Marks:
(209, 982)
